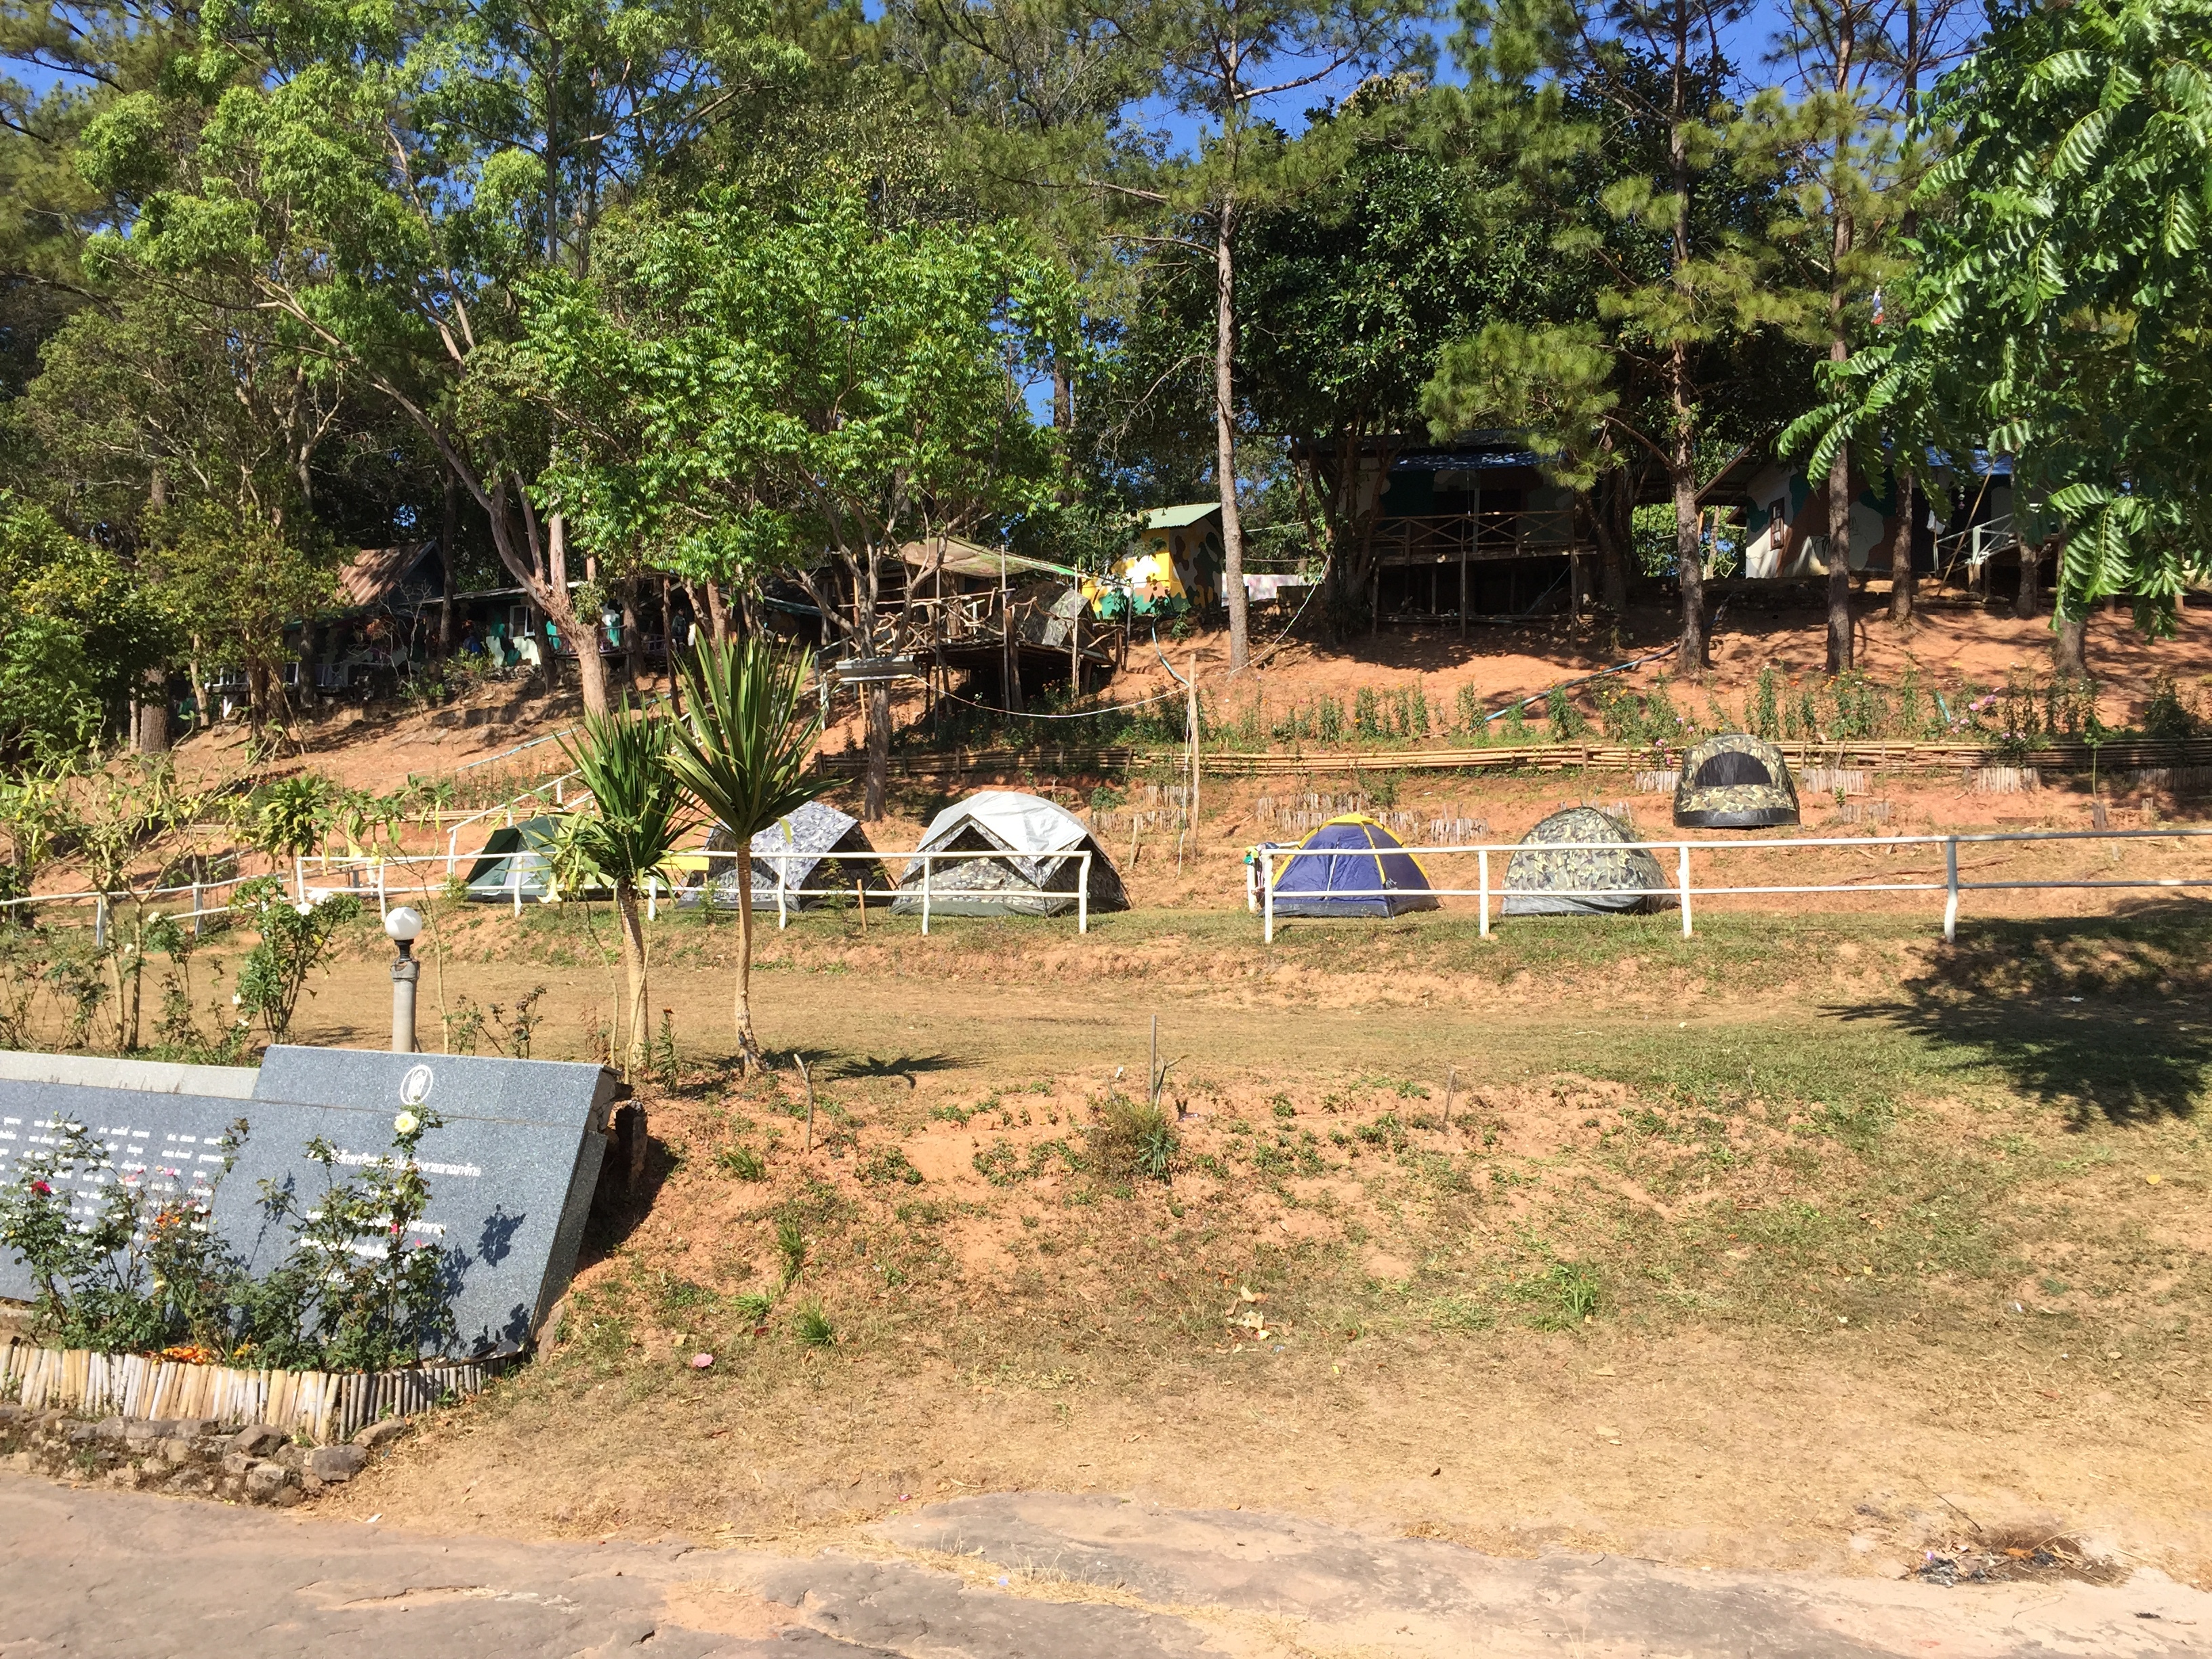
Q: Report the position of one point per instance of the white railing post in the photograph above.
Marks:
(299, 878)
(925, 895)
(1684, 869)
(99, 922)
(1951, 890)
(1482, 879)
(782, 886)
(514, 881)
(653, 898)
(557, 799)
(1267, 894)
(197, 918)
(452, 849)
(383, 908)
(1082, 898)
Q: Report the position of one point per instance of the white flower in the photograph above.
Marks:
(304, 907)
(406, 1123)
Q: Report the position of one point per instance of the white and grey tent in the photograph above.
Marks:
(1037, 846)
(793, 847)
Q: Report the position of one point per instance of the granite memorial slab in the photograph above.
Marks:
(510, 1172)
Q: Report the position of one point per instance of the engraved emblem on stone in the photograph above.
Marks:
(414, 1087)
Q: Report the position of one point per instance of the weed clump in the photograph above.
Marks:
(1132, 1140)
(813, 1327)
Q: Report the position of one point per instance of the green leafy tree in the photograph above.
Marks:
(2061, 311)
(76, 632)
(739, 392)
(635, 823)
(743, 752)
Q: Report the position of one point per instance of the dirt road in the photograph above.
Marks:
(990, 1577)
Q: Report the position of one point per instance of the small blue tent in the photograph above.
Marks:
(1366, 871)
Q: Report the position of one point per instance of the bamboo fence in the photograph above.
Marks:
(323, 1406)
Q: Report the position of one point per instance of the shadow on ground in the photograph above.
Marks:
(2103, 1020)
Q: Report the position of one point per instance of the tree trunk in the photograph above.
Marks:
(633, 656)
(634, 970)
(718, 615)
(749, 1050)
(1839, 561)
(1689, 549)
(2028, 600)
(2070, 649)
(1900, 554)
(1224, 436)
(448, 534)
(879, 751)
(590, 667)
(151, 733)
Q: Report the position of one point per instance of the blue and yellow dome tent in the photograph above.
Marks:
(1350, 866)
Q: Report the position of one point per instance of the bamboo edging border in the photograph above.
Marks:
(1542, 757)
(323, 1406)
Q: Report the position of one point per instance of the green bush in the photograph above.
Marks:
(1132, 1140)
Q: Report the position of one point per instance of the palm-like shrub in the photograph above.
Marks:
(743, 752)
(636, 818)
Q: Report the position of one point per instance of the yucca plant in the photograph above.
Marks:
(743, 752)
(637, 816)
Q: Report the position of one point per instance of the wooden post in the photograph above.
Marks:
(1451, 1077)
(807, 1077)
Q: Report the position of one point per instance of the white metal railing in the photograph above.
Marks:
(104, 903)
(1262, 873)
(379, 866)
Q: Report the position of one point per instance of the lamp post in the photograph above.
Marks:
(404, 927)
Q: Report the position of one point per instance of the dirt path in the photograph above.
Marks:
(991, 1577)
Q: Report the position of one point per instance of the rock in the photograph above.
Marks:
(190, 1428)
(377, 1436)
(143, 1434)
(112, 1428)
(237, 1462)
(336, 1462)
(259, 1440)
(266, 1479)
(177, 1451)
(294, 1458)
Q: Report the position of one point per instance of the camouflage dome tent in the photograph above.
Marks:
(1582, 881)
(1034, 875)
(1734, 781)
(802, 838)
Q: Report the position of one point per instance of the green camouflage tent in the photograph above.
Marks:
(1734, 781)
(517, 860)
(1582, 881)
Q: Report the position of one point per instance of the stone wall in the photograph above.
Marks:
(187, 1456)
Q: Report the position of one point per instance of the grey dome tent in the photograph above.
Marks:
(802, 838)
(1034, 873)
(1734, 781)
(1578, 881)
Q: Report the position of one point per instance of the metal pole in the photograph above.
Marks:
(653, 898)
(1482, 876)
(558, 800)
(1267, 895)
(925, 895)
(383, 908)
(452, 848)
(1684, 868)
(299, 876)
(197, 919)
(1082, 898)
(405, 971)
(514, 882)
(99, 922)
(782, 886)
(1951, 890)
